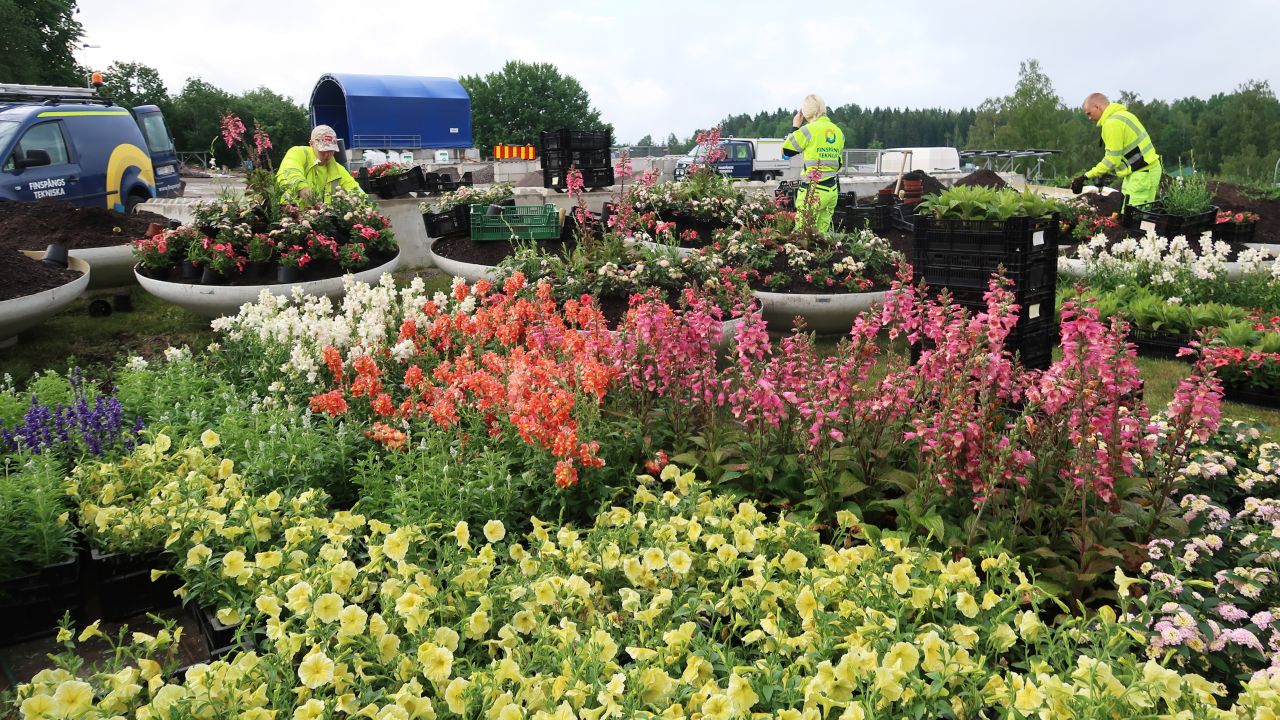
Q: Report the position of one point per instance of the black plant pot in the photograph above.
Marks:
(190, 270)
(212, 277)
(286, 274)
(124, 584)
(55, 255)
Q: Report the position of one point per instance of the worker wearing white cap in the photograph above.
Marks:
(309, 173)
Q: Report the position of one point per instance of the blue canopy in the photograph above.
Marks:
(393, 111)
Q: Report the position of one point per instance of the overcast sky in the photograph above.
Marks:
(658, 66)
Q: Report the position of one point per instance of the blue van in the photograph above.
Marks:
(74, 145)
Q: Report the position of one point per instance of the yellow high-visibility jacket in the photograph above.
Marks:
(300, 169)
(1128, 146)
(821, 143)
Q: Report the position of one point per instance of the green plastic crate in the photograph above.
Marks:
(526, 222)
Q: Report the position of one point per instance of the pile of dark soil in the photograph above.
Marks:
(36, 225)
(931, 186)
(1232, 197)
(982, 178)
(23, 276)
(460, 247)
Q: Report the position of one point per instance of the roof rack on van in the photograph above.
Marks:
(52, 94)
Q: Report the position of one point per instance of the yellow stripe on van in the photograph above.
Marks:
(122, 158)
(77, 113)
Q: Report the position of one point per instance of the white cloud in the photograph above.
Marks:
(664, 66)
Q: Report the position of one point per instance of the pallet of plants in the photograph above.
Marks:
(1160, 328)
(392, 180)
(694, 208)
(39, 556)
(1247, 358)
(56, 424)
(613, 271)
(1019, 228)
(245, 246)
(451, 212)
(1235, 227)
(1184, 208)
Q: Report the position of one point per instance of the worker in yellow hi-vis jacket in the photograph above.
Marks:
(309, 173)
(814, 136)
(1129, 153)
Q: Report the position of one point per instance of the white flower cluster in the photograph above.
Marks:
(301, 326)
(1163, 261)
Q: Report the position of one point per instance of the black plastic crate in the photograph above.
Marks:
(591, 178)
(876, 218)
(1164, 346)
(440, 224)
(974, 270)
(1235, 232)
(1170, 226)
(1018, 240)
(32, 605)
(575, 140)
(401, 184)
(557, 160)
(1034, 307)
(124, 584)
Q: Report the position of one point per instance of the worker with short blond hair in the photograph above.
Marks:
(1129, 153)
(814, 136)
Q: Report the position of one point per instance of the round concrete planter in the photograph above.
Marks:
(112, 266)
(1074, 267)
(26, 312)
(825, 314)
(216, 300)
(470, 272)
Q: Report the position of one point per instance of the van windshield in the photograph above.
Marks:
(8, 128)
(157, 134)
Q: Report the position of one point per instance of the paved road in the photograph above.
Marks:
(209, 187)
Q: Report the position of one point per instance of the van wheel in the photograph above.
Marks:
(131, 202)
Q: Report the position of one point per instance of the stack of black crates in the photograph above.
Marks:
(961, 256)
(586, 150)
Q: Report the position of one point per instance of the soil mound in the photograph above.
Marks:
(982, 178)
(36, 225)
(1235, 198)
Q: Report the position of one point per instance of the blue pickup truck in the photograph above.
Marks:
(745, 158)
(72, 144)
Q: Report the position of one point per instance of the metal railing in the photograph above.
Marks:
(200, 158)
(386, 142)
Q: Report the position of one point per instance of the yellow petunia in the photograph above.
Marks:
(209, 439)
(315, 670)
(494, 531)
(966, 604)
(328, 607)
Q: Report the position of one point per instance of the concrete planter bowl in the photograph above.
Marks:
(824, 314)
(213, 301)
(23, 313)
(470, 272)
(112, 266)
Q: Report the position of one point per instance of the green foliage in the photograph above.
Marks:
(38, 43)
(972, 202)
(133, 84)
(1188, 195)
(34, 527)
(198, 109)
(515, 104)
